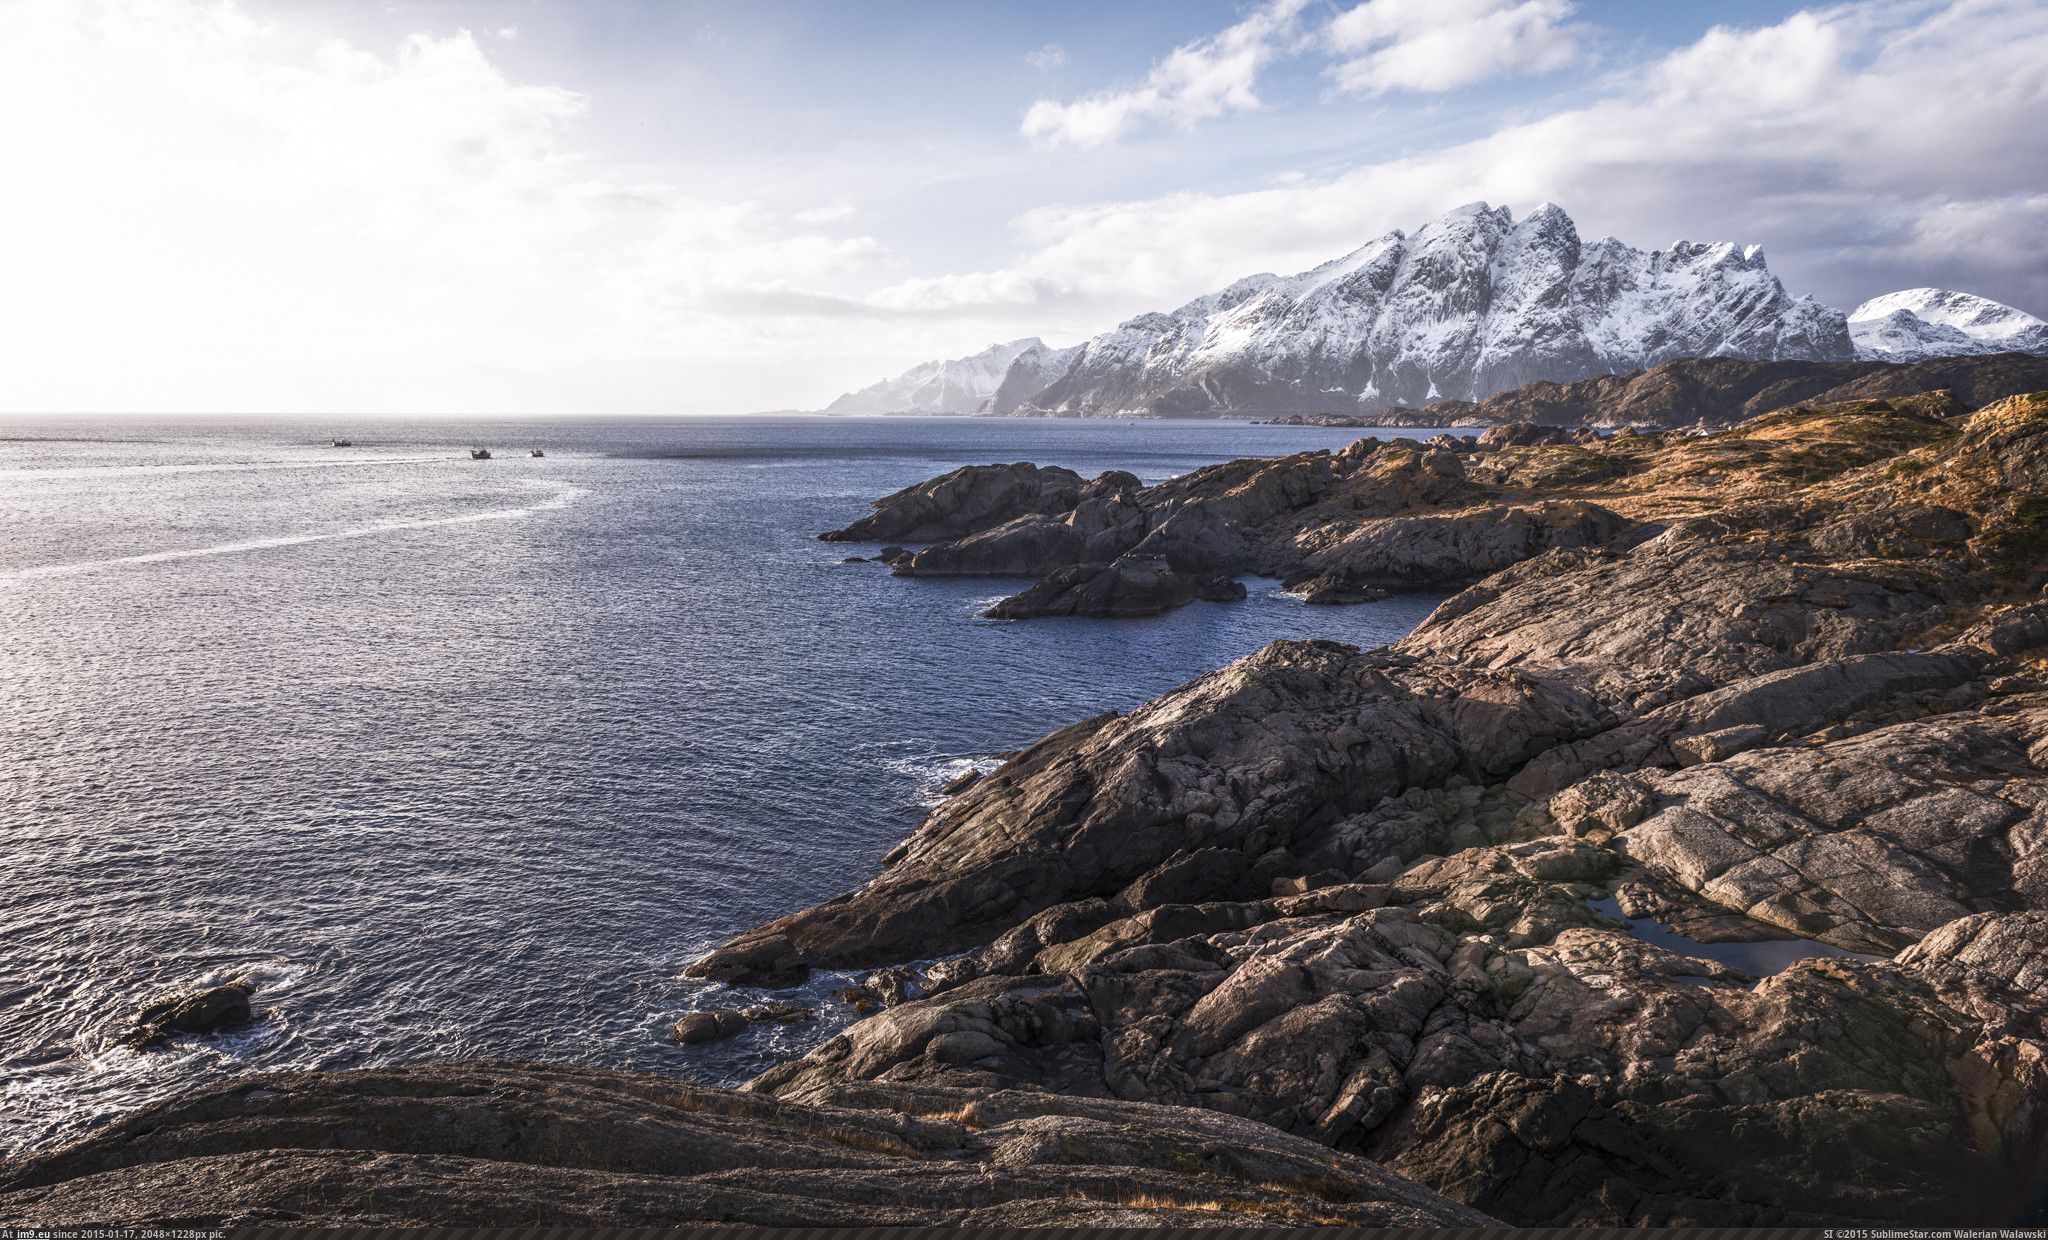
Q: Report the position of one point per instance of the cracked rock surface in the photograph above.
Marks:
(1791, 724)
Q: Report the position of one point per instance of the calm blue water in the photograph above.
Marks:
(469, 758)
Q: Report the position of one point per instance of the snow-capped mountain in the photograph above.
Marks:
(1028, 375)
(962, 385)
(1472, 304)
(1916, 324)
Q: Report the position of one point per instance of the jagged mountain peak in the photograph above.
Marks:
(1473, 302)
(1916, 324)
(956, 385)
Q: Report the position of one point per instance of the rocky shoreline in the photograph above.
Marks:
(1779, 683)
(1332, 935)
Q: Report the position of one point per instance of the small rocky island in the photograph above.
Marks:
(1435, 934)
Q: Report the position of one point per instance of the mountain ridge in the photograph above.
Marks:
(955, 385)
(1471, 305)
(1918, 324)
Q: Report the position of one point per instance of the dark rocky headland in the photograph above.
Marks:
(1333, 935)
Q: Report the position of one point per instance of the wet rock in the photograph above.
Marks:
(777, 1013)
(204, 1010)
(1333, 589)
(709, 1026)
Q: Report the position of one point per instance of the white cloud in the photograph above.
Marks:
(1051, 56)
(508, 32)
(1380, 45)
(205, 210)
(1206, 78)
(1439, 45)
(830, 214)
(208, 211)
(1845, 139)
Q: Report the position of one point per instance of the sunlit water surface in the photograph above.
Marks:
(460, 758)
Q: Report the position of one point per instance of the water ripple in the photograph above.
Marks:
(470, 758)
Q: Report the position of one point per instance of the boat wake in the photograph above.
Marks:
(563, 496)
(33, 473)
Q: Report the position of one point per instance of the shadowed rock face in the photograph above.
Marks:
(528, 1145)
(1351, 894)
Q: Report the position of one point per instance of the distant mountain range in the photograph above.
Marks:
(1917, 324)
(1471, 305)
(962, 385)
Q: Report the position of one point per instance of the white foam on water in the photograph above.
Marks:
(102, 1076)
(933, 774)
(564, 495)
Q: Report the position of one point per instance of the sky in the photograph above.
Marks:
(689, 206)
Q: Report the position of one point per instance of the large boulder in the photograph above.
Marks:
(205, 1009)
(970, 499)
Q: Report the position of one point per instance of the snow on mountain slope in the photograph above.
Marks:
(1028, 374)
(1916, 324)
(962, 385)
(1472, 304)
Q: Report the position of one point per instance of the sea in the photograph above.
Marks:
(461, 758)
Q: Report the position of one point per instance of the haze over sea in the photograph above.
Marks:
(468, 758)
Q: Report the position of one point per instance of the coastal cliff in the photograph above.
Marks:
(1786, 693)
(1689, 866)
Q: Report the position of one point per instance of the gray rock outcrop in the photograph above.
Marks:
(1787, 714)
(462, 1145)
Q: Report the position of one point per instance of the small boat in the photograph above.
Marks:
(340, 443)
(536, 452)
(479, 454)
